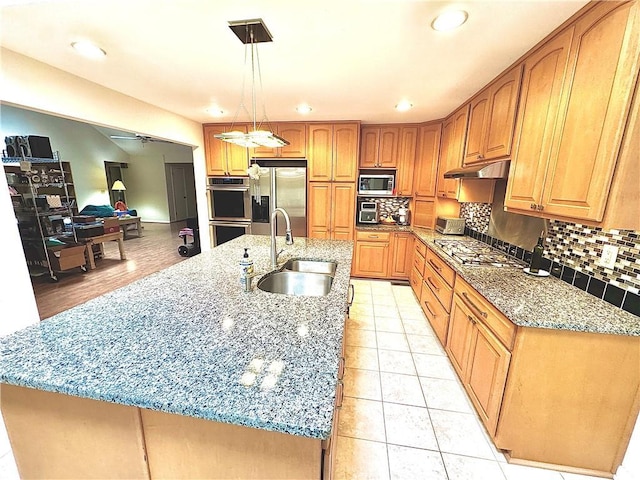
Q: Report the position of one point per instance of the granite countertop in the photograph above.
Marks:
(545, 302)
(188, 340)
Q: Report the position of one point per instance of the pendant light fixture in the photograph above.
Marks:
(252, 32)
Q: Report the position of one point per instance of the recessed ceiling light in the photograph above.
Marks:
(404, 105)
(215, 111)
(88, 49)
(449, 20)
(303, 109)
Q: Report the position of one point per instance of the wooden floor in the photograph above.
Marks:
(155, 250)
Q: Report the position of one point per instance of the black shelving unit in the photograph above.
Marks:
(40, 193)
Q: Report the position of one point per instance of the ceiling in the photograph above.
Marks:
(348, 59)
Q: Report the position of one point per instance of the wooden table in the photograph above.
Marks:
(124, 221)
(99, 240)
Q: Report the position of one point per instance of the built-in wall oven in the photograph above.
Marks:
(229, 208)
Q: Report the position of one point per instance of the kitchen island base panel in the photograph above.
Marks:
(186, 447)
(53, 435)
(571, 399)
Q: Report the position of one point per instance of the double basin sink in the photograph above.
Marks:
(300, 277)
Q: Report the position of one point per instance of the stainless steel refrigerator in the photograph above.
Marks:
(281, 184)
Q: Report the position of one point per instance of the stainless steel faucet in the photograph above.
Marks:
(288, 237)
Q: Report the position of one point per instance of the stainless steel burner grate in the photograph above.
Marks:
(468, 251)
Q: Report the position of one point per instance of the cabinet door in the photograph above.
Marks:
(459, 336)
(453, 140)
(426, 164)
(416, 282)
(319, 152)
(478, 119)
(343, 208)
(296, 135)
(423, 213)
(369, 143)
(443, 161)
(237, 157)
(388, 149)
(502, 115)
(319, 210)
(436, 314)
(215, 151)
(345, 152)
(266, 152)
(487, 375)
(401, 255)
(371, 259)
(605, 56)
(544, 73)
(406, 160)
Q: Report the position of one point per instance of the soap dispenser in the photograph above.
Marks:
(246, 271)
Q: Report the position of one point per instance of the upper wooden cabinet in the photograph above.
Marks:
(454, 130)
(379, 148)
(224, 158)
(332, 152)
(331, 210)
(426, 163)
(406, 160)
(492, 118)
(294, 133)
(570, 134)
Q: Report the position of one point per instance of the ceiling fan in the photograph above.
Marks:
(142, 138)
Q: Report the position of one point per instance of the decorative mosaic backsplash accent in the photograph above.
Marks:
(388, 206)
(477, 215)
(572, 254)
(580, 247)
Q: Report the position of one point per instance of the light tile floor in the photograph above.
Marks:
(405, 414)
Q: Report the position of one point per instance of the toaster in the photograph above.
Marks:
(450, 225)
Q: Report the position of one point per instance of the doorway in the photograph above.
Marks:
(114, 172)
(181, 191)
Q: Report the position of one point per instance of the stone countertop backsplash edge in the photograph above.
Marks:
(538, 302)
(188, 340)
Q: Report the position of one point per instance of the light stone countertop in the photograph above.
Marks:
(188, 340)
(545, 302)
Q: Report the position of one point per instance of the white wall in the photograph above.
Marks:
(78, 143)
(146, 184)
(36, 86)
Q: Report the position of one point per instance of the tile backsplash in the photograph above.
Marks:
(572, 254)
(388, 206)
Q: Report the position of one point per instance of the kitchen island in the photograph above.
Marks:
(182, 374)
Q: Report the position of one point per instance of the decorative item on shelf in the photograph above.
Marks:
(250, 33)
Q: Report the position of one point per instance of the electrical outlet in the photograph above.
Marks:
(609, 256)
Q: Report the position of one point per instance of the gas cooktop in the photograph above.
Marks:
(468, 251)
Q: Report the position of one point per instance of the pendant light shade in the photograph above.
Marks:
(252, 32)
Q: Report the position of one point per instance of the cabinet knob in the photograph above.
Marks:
(540, 208)
(532, 206)
(480, 157)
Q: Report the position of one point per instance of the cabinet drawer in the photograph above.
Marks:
(490, 316)
(440, 266)
(421, 248)
(437, 315)
(373, 236)
(438, 286)
(418, 262)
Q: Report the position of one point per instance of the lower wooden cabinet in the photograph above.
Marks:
(437, 315)
(371, 256)
(380, 254)
(401, 255)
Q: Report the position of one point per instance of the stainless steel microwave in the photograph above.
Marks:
(376, 184)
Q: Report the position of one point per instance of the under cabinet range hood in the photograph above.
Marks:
(489, 171)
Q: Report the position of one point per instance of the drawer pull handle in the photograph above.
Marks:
(473, 305)
(353, 293)
(339, 394)
(341, 368)
(471, 319)
(433, 284)
(426, 304)
(434, 265)
(373, 236)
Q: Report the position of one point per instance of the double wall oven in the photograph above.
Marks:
(229, 208)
